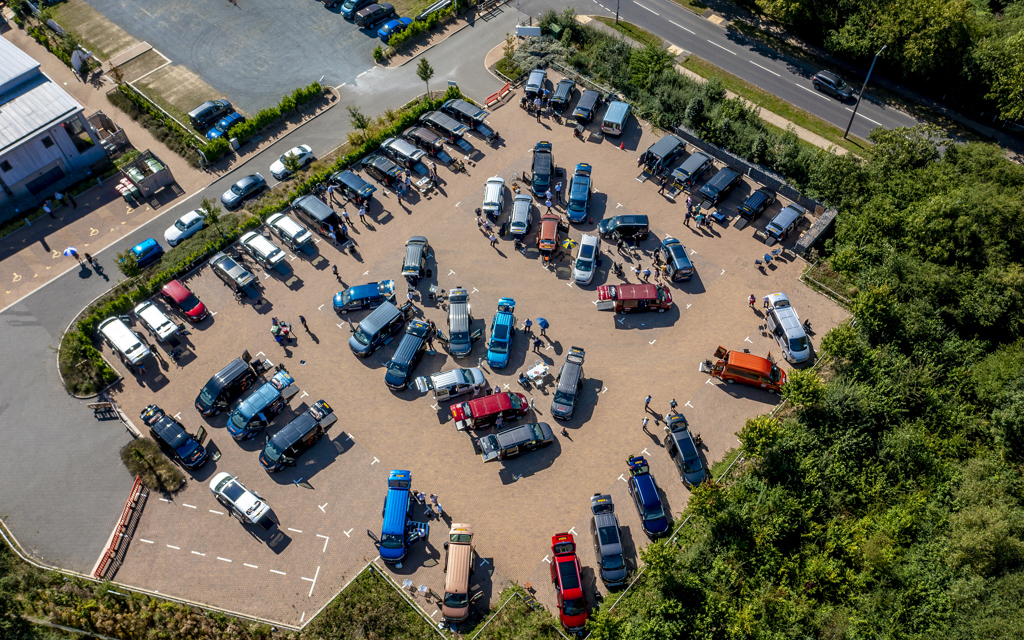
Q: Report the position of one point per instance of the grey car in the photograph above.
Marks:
(604, 527)
(233, 274)
(830, 83)
(683, 451)
(242, 190)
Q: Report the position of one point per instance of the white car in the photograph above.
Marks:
(184, 227)
(262, 250)
(586, 259)
(302, 152)
(244, 504)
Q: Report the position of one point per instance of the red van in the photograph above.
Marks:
(479, 413)
(746, 368)
(624, 298)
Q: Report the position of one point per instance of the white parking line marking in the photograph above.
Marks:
(313, 581)
(765, 68)
(260, 354)
(224, 559)
(295, 530)
(643, 7)
(747, 339)
(304, 394)
(375, 461)
(506, 385)
(363, 73)
(326, 540)
(682, 27)
(251, 566)
(689, 305)
(645, 452)
(866, 118)
(341, 326)
(434, 407)
(321, 506)
(171, 546)
(220, 513)
(433, 614)
(722, 48)
(366, 273)
(623, 478)
(546, 559)
(278, 572)
(177, 415)
(199, 554)
(474, 290)
(723, 272)
(618, 205)
(451, 273)
(147, 541)
(603, 390)
(693, 251)
(458, 203)
(164, 500)
(303, 616)
(688, 404)
(573, 531)
(708, 381)
(321, 307)
(569, 284)
(190, 506)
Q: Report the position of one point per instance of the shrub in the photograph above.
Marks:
(143, 458)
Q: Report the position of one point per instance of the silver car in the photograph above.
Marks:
(604, 527)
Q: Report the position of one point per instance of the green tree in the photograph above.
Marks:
(210, 210)
(356, 118)
(128, 264)
(291, 163)
(759, 433)
(425, 73)
(1003, 59)
(647, 64)
(803, 388)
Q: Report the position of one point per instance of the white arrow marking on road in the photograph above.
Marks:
(722, 48)
(689, 405)
(321, 506)
(765, 68)
(375, 461)
(747, 339)
(326, 540)
(682, 27)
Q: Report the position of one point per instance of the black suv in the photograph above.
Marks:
(383, 170)
(719, 186)
(625, 227)
(756, 203)
(173, 438)
(830, 83)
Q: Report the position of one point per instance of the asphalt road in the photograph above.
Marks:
(62, 485)
(741, 56)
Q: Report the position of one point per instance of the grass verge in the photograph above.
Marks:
(695, 6)
(516, 620)
(630, 30)
(777, 105)
(99, 35)
(820, 276)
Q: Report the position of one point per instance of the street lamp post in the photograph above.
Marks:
(861, 94)
(617, 11)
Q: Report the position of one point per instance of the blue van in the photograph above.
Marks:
(147, 252)
(254, 413)
(503, 329)
(364, 296)
(394, 534)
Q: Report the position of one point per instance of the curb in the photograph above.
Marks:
(386, 66)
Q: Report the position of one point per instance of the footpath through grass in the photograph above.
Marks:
(778, 106)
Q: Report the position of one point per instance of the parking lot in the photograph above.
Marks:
(328, 505)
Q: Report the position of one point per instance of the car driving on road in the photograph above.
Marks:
(833, 85)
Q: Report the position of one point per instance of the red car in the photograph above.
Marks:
(485, 411)
(565, 574)
(179, 295)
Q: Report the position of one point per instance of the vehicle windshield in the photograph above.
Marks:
(362, 337)
(272, 452)
(538, 432)
(189, 302)
(840, 83)
(346, 297)
(397, 369)
(392, 541)
(654, 512)
(517, 404)
(209, 395)
(239, 420)
(610, 563)
(180, 225)
(238, 188)
(456, 600)
(776, 375)
(798, 344)
(459, 336)
(574, 607)
(498, 345)
(564, 397)
(577, 203)
(662, 295)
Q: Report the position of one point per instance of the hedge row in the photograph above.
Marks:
(419, 27)
(264, 118)
(158, 120)
(133, 292)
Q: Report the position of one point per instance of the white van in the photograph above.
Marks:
(155, 320)
(494, 196)
(615, 117)
(522, 216)
(262, 250)
(123, 340)
(785, 326)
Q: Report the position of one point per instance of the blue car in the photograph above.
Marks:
(224, 124)
(398, 530)
(364, 296)
(673, 253)
(579, 193)
(645, 494)
(348, 10)
(503, 329)
(393, 26)
(254, 413)
(147, 252)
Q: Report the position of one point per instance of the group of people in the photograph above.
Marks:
(434, 504)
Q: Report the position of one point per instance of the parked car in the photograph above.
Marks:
(548, 236)
(350, 7)
(410, 350)
(297, 436)
(521, 218)
(628, 227)
(683, 451)
(184, 227)
(173, 439)
(756, 203)
(392, 27)
(509, 443)
(586, 259)
(383, 170)
(255, 412)
(543, 168)
(485, 411)
(746, 368)
(562, 94)
(718, 187)
(373, 14)
(833, 85)
(364, 296)
(233, 274)
(303, 153)
(644, 490)
(247, 187)
(425, 139)
(784, 323)
(604, 527)
(179, 295)
(565, 575)
(579, 193)
(209, 112)
(450, 384)
(627, 298)
(147, 252)
(293, 234)
(224, 125)
(414, 265)
(673, 253)
(503, 330)
(535, 83)
(567, 385)
(244, 504)
(263, 251)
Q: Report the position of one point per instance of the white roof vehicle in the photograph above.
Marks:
(266, 252)
(155, 320)
(244, 504)
(184, 227)
(586, 259)
(303, 153)
(288, 230)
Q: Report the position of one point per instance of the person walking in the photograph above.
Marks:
(344, 215)
(657, 259)
(686, 219)
(362, 214)
(494, 239)
(672, 406)
(440, 511)
(664, 182)
(537, 342)
(647, 274)
(59, 197)
(88, 259)
(548, 204)
(527, 324)
(548, 194)
(647, 404)
(750, 300)
(689, 202)
(637, 270)
(619, 245)
(645, 424)
(536, 107)
(344, 230)
(767, 302)
(558, 193)
(46, 208)
(302, 321)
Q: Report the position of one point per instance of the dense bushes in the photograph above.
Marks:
(889, 502)
(144, 459)
(270, 116)
(163, 128)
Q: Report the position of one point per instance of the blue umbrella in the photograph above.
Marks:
(543, 323)
(71, 252)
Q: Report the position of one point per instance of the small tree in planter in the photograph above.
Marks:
(425, 72)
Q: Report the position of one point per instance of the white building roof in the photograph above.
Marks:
(14, 63)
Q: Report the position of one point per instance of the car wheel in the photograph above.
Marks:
(772, 391)
(661, 311)
(817, 87)
(730, 382)
(344, 312)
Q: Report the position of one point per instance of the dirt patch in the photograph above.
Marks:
(177, 90)
(99, 35)
(140, 66)
(411, 8)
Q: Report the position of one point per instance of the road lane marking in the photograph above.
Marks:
(765, 68)
(865, 117)
(224, 559)
(812, 91)
(643, 7)
(682, 27)
(723, 48)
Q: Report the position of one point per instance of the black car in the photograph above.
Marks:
(718, 187)
(830, 83)
(543, 168)
(383, 170)
(567, 385)
(173, 438)
(756, 203)
(625, 227)
(563, 94)
(399, 369)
